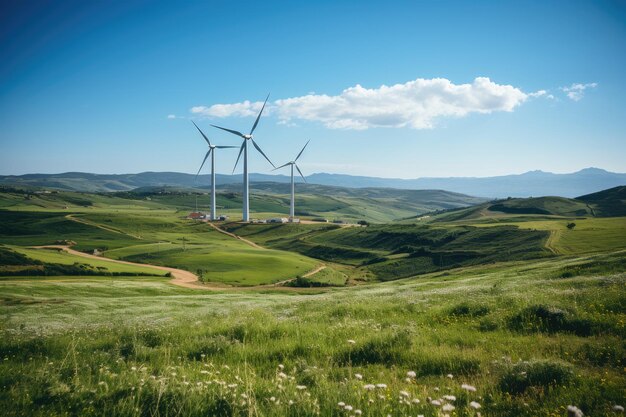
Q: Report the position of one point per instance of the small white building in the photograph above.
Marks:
(278, 220)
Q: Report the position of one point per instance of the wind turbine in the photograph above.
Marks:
(244, 149)
(211, 152)
(293, 164)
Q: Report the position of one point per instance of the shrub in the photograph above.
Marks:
(519, 377)
(540, 318)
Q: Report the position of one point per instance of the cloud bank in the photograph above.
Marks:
(417, 104)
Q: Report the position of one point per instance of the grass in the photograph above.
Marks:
(144, 347)
(61, 257)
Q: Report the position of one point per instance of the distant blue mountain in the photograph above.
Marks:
(533, 183)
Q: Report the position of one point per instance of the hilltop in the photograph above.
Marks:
(533, 183)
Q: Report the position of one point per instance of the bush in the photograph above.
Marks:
(469, 310)
(540, 318)
(519, 377)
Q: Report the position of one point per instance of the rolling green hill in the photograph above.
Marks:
(607, 203)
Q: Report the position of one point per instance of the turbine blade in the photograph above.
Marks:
(203, 161)
(239, 156)
(226, 147)
(307, 142)
(202, 133)
(259, 149)
(234, 132)
(282, 166)
(300, 173)
(256, 122)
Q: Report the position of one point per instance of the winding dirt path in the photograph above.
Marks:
(184, 278)
(234, 236)
(180, 277)
(315, 271)
(100, 226)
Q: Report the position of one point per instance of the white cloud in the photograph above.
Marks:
(576, 91)
(417, 104)
(171, 116)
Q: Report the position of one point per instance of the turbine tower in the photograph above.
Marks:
(244, 149)
(211, 152)
(293, 164)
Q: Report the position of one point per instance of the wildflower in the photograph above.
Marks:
(436, 389)
(351, 341)
(474, 405)
(232, 386)
(404, 394)
(133, 368)
(415, 401)
(300, 387)
(290, 402)
(282, 375)
(272, 399)
(341, 404)
(381, 385)
(449, 397)
(348, 408)
(450, 376)
(358, 376)
(573, 411)
(204, 371)
(436, 402)
(469, 388)
(244, 395)
(411, 374)
(281, 366)
(448, 407)
(358, 412)
(618, 408)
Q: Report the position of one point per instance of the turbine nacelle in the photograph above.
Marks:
(247, 137)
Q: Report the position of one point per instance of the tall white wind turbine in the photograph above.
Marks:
(211, 152)
(292, 208)
(244, 149)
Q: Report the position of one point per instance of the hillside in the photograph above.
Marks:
(267, 200)
(534, 183)
(607, 203)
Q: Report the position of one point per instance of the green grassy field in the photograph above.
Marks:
(514, 313)
(530, 338)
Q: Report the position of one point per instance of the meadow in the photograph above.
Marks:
(504, 317)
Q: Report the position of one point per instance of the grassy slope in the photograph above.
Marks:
(60, 257)
(145, 232)
(111, 346)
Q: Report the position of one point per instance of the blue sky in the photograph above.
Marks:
(89, 86)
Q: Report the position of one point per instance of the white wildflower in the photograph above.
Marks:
(351, 341)
(450, 376)
(281, 366)
(404, 394)
(282, 375)
(573, 411)
(133, 368)
(348, 408)
(618, 408)
(300, 387)
(368, 387)
(358, 412)
(449, 397)
(469, 388)
(436, 402)
(411, 374)
(358, 376)
(474, 405)
(448, 407)
(415, 401)
(341, 404)
(290, 402)
(381, 385)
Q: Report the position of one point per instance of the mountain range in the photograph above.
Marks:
(529, 184)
